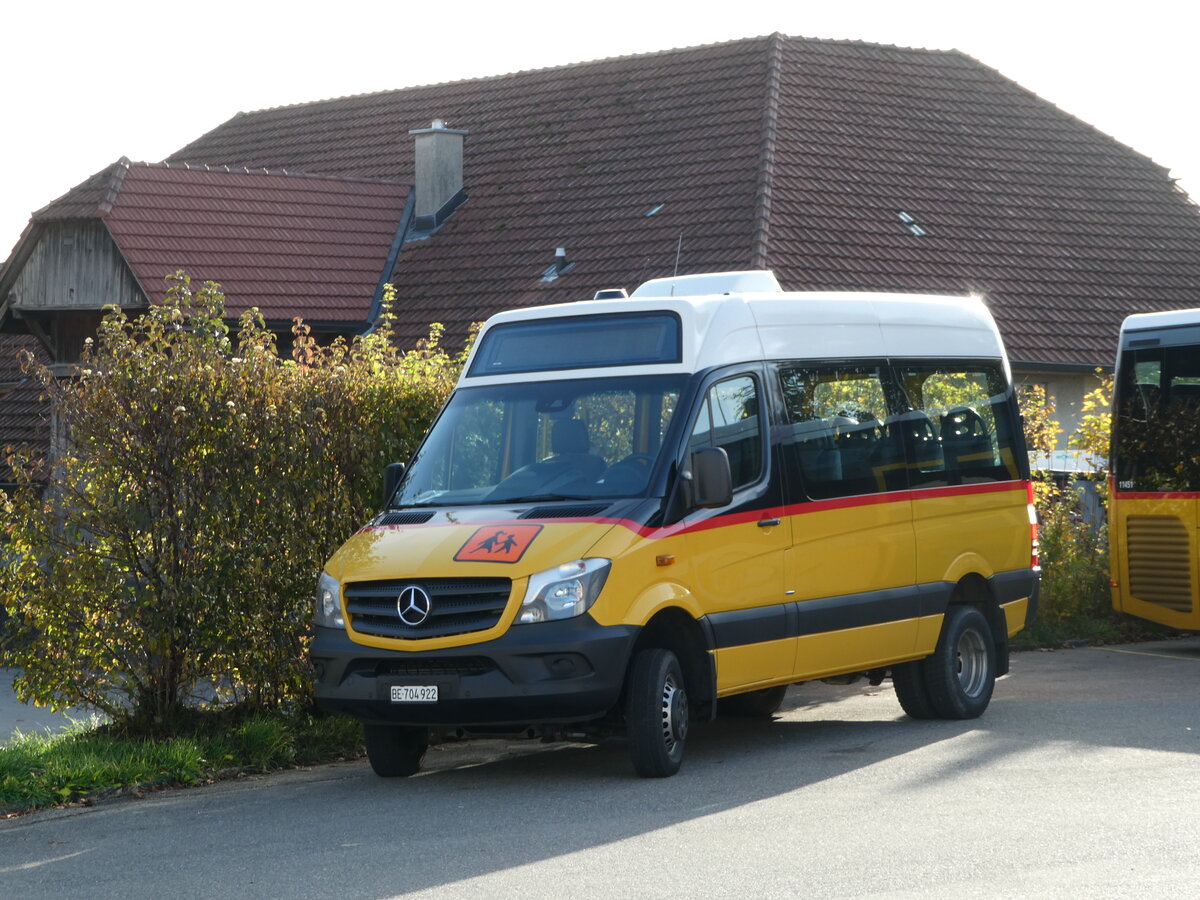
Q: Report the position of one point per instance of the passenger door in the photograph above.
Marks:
(852, 566)
(736, 552)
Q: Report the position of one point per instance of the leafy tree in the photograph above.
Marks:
(203, 483)
(1041, 435)
(1095, 425)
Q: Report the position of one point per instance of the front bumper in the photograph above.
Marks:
(550, 673)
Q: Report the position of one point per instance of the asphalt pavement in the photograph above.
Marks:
(1080, 780)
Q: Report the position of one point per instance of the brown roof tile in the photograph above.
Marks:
(1062, 227)
(570, 157)
(289, 244)
(24, 416)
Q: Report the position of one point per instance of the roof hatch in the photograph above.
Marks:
(752, 282)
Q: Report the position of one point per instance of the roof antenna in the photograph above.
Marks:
(678, 250)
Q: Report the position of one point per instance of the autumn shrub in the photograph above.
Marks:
(1075, 576)
(1075, 597)
(200, 484)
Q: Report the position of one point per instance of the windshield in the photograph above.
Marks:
(1157, 429)
(547, 440)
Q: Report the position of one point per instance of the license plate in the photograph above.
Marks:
(414, 693)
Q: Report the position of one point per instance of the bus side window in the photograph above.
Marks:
(729, 419)
(835, 443)
(966, 428)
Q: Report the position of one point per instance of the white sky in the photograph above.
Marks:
(83, 83)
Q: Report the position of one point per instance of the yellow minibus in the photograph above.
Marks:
(1154, 489)
(636, 513)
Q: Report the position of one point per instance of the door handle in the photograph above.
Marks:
(768, 523)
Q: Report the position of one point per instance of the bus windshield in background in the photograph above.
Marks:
(544, 440)
(1156, 434)
(579, 342)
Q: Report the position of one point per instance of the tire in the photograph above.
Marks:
(395, 751)
(754, 704)
(908, 679)
(656, 713)
(961, 673)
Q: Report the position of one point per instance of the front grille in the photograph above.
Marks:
(1160, 561)
(422, 667)
(457, 606)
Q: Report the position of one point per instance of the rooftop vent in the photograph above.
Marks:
(559, 267)
(611, 294)
(911, 223)
(753, 282)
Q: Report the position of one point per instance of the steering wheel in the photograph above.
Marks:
(641, 459)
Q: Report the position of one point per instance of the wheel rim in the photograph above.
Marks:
(674, 713)
(972, 662)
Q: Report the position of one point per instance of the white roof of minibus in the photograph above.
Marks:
(1171, 319)
(729, 328)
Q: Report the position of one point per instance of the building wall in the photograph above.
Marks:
(75, 265)
(1066, 391)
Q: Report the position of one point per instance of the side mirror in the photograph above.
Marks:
(391, 480)
(711, 479)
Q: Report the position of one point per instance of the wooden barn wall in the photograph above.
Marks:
(75, 265)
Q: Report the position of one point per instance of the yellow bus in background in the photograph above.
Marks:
(1154, 492)
(635, 513)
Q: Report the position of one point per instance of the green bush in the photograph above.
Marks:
(202, 483)
(1075, 577)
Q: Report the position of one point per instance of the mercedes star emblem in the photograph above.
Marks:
(413, 606)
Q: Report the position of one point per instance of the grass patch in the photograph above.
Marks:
(1110, 629)
(40, 770)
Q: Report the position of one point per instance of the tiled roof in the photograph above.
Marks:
(795, 154)
(1065, 230)
(24, 418)
(288, 244)
(570, 157)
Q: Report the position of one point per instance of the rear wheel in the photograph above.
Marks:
(961, 673)
(395, 750)
(754, 704)
(656, 713)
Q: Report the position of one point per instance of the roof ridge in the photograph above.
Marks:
(482, 78)
(101, 176)
(1166, 170)
(184, 165)
(773, 37)
(761, 237)
(113, 188)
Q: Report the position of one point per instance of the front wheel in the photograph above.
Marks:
(656, 713)
(961, 673)
(395, 750)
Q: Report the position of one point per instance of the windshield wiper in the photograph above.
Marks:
(535, 498)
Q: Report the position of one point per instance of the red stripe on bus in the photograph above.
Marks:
(1157, 495)
(756, 515)
(816, 506)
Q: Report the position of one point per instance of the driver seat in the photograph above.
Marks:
(570, 445)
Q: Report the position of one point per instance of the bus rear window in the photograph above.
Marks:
(579, 342)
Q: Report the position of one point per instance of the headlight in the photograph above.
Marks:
(563, 592)
(328, 610)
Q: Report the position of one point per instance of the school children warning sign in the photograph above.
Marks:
(498, 543)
